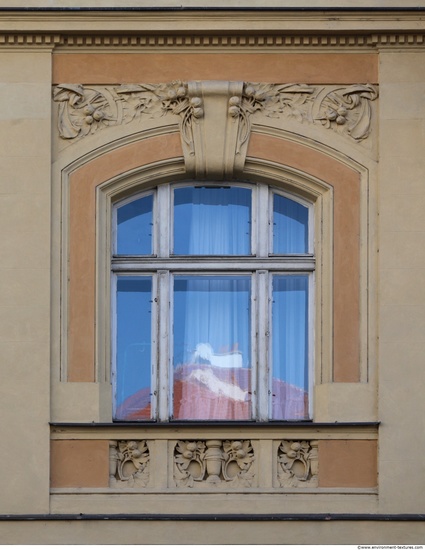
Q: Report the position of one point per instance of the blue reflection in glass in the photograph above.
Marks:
(290, 226)
(133, 348)
(290, 347)
(212, 221)
(134, 227)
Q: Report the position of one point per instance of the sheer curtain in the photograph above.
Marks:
(133, 348)
(290, 226)
(212, 221)
(134, 227)
(212, 355)
(290, 347)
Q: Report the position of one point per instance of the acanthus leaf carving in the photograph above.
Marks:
(214, 463)
(298, 464)
(128, 464)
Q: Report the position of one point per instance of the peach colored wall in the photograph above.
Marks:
(79, 463)
(81, 336)
(348, 463)
(82, 245)
(314, 68)
(346, 184)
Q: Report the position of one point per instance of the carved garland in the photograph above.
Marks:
(85, 110)
(128, 464)
(213, 462)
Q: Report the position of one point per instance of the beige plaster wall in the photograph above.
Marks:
(24, 280)
(402, 282)
(213, 532)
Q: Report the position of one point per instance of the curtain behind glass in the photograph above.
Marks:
(133, 348)
(212, 221)
(290, 226)
(212, 347)
(134, 227)
(290, 347)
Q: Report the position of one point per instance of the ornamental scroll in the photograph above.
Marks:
(86, 110)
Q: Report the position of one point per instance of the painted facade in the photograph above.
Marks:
(318, 104)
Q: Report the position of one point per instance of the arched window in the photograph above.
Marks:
(212, 299)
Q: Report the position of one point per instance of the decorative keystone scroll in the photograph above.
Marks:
(298, 464)
(128, 464)
(213, 463)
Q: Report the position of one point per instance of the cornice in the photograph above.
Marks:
(214, 42)
(201, 22)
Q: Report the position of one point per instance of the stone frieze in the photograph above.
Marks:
(85, 110)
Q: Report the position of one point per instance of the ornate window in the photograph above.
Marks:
(213, 303)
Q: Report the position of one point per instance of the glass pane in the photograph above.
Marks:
(133, 348)
(290, 347)
(134, 227)
(212, 348)
(212, 221)
(290, 226)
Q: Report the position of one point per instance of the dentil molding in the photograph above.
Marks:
(206, 42)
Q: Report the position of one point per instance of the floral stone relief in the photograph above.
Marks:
(214, 463)
(85, 110)
(298, 464)
(128, 464)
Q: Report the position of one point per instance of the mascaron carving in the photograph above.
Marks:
(213, 462)
(85, 110)
(128, 464)
(298, 464)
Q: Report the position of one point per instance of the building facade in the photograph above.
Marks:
(212, 306)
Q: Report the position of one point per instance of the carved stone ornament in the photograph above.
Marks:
(128, 464)
(85, 110)
(343, 109)
(214, 463)
(298, 464)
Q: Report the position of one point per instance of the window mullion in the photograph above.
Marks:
(163, 221)
(263, 220)
(263, 344)
(164, 345)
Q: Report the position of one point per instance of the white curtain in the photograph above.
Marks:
(290, 226)
(212, 344)
(212, 221)
(290, 347)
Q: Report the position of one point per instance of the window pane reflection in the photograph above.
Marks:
(134, 227)
(290, 347)
(212, 221)
(290, 226)
(212, 348)
(133, 349)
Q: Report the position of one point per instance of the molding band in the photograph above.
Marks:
(214, 517)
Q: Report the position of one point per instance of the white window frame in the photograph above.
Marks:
(261, 265)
